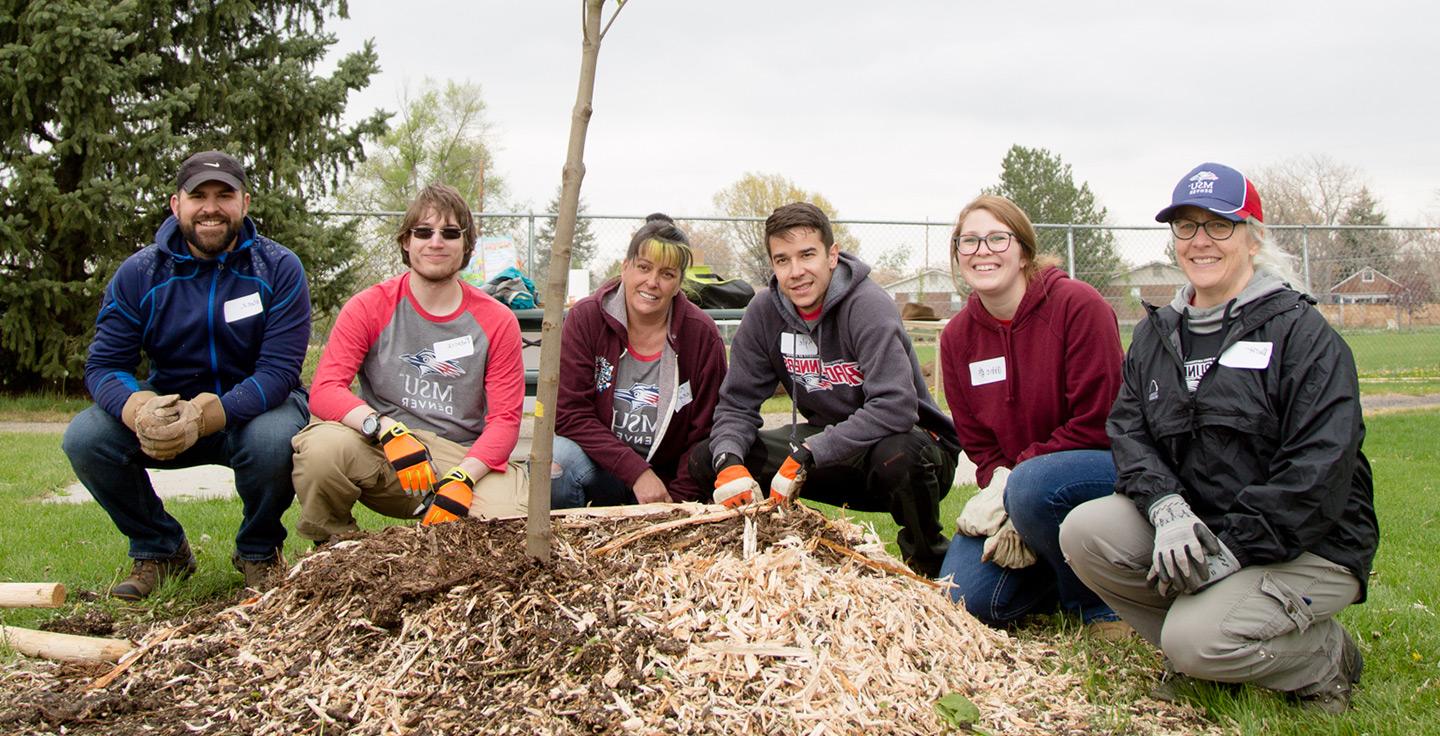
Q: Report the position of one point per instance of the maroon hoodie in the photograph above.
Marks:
(593, 339)
(1042, 384)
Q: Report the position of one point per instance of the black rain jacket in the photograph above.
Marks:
(1269, 457)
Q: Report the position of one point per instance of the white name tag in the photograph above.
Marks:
(1244, 354)
(794, 343)
(683, 396)
(456, 348)
(987, 371)
(245, 306)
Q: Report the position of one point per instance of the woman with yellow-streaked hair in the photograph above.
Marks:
(640, 373)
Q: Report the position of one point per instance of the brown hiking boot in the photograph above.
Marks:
(1109, 631)
(260, 575)
(1333, 697)
(147, 575)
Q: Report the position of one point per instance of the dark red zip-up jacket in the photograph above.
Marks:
(592, 341)
(1062, 357)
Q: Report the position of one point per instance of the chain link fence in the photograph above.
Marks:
(1363, 276)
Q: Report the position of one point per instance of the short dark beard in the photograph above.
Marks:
(210, 250)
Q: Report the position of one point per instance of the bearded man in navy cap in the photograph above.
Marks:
(222, 315)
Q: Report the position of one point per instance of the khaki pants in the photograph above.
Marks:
(1271, 625)
(335, 467)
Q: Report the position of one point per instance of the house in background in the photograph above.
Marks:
(1154, 282)
(932, 287)
(1366, 286)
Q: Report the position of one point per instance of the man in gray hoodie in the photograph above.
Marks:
(872, 437)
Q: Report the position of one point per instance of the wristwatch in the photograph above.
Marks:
(370, 427)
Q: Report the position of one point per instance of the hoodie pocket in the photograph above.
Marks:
(1272, 609)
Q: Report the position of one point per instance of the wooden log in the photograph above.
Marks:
(32, 595)
(63, 647)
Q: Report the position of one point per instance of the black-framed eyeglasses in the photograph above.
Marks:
(426, 233)
(1215, 229)
(969, 245)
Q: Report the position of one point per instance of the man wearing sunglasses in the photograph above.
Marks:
(441, 389)
(873, 438)
(222, 314)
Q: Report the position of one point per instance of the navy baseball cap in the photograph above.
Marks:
(1217, 188)
(210, 166)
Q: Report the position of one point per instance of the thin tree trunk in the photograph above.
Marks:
(537, 528)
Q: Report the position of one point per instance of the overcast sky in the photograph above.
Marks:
(904, 110)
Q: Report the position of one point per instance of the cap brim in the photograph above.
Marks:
(1220, 208)
(205, 176)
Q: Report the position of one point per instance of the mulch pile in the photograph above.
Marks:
(714, 627)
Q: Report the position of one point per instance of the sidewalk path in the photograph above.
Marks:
(214, 481)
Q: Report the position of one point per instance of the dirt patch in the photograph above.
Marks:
(702, 628)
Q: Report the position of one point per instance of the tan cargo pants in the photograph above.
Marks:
(335, 467)
(1271, 625)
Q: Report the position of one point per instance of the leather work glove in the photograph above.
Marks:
(199, 417)
(1182, 544)
(452, 501)
(147, 410)
(1006, 549)
(985, 511)
(410, 459)
(785, 486)
(734, 486)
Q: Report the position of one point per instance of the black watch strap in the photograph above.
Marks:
(370, 427)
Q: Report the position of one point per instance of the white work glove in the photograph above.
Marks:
(1006, 549)
(1188, 556)
(985, 511)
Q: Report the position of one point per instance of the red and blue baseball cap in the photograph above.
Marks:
(1217, 188)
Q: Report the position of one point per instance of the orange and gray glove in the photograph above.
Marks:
(410, 459)
(734, 486)
(452, 501)
(785, 486)
(167, 426)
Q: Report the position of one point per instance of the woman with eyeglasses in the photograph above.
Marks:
(1031, 366)
(1243, 520)
(640, 374)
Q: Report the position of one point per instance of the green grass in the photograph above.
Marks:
(76, 544)
(1397, 628)
(46, 406)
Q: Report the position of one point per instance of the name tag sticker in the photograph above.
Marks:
(795, 344)
(987, 371)
(245, 306)
(456, 348)
(683, 396)
(1245, 354)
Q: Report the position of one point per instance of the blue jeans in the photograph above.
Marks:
(1040, 492)
(581, 482)
(107, 459)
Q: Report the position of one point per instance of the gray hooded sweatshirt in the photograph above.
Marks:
(853, 371)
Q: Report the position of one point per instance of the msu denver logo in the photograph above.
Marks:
(427, 364)
(640, 395)
(1203, 183)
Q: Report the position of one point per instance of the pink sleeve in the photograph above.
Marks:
(355, 331)
(504, 385)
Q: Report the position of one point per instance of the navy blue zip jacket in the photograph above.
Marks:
(236, 326)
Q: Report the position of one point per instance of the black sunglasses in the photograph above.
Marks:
(426, 233)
